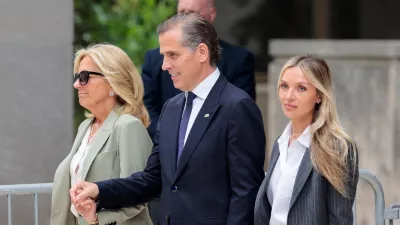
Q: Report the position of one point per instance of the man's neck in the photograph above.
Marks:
(204, 74)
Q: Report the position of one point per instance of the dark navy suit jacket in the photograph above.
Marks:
(237, 65)
(220, 169)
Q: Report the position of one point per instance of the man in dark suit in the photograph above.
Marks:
(236, 64)
(209, 148)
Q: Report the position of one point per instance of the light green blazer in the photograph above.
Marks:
(121, 147)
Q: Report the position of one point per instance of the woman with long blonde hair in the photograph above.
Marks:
(112, 142)
(313, 171)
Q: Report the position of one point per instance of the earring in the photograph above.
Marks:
(111, 93)
(319, 100)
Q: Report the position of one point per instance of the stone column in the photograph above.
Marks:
(36, 115)
(367, 88)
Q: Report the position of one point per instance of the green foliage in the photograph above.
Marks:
(129, 24)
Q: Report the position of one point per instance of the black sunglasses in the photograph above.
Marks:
(83, 76)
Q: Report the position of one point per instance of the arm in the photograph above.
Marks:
(340, 207)
(244, 78)
(151, 95)
(261, 206)
(134, 148)
(139, 188)
(246, 152)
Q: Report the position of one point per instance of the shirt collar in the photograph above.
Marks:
(304, 139)
(286, 133)
(203, 89)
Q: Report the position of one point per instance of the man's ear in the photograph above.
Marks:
(203, 52)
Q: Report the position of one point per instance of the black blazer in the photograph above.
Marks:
(314, 200)
(220, 169)
(237, 65)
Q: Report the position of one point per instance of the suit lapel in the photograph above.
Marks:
(201, 123)
(173, 133)
(62, 179)
(101, 137)
(79, 136)
(304, 172)
(274, 159)
(77, 143)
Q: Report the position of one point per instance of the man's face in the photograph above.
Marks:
(182, 63)
(202, 7)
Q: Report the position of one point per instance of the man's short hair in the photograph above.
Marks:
(195, 30)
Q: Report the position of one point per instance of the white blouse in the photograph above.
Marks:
(77, 162)
(283, 177)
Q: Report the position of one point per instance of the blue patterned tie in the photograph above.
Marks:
(184, 122)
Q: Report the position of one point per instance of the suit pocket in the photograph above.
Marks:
(213, 221)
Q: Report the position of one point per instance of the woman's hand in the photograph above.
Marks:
(87, 209)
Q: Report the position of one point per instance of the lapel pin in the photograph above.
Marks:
(206, 115)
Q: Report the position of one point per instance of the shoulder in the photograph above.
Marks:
(130, 129)
(233, 95)
(174, 100)
(239, 104)
(127, 120)
(352, 154)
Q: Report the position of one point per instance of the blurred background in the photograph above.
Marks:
(39, 113)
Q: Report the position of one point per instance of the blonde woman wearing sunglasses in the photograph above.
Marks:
(112, 142)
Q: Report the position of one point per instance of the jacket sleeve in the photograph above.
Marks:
(151, 98)
(246, 153)
(339, 206)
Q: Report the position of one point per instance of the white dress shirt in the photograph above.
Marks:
(282, 180)
(77, 163)
(201, 91)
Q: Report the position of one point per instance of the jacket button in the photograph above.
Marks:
(174, 188)
(167, 218)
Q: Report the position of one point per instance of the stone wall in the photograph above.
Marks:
(36, 114)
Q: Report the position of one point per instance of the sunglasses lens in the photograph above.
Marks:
(76, 77)
(83, 77)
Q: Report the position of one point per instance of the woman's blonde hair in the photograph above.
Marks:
(122, 75)
(333, 153)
